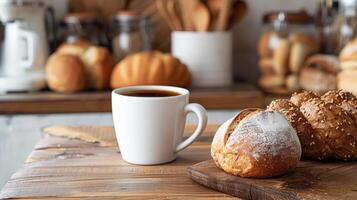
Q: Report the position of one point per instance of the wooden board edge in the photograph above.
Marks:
(246, 191)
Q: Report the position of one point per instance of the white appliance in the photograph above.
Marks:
(24, 45)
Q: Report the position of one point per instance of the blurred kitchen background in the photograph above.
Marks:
(59, 59)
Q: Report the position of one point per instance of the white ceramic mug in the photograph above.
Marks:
(149, 130)
(208, 55)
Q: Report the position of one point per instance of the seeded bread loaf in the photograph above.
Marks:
(326, 125)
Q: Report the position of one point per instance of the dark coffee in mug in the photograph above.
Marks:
(151, 93)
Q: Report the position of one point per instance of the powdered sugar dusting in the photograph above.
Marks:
(265, 133)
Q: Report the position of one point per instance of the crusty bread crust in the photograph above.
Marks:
(248, 145)
(332, 118)
(310, 143)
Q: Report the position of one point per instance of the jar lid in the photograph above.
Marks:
(298, 17)
(80, 17)
(129, 16)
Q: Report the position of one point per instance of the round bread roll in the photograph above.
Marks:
(347, 81)
(99, 64)
(320, 73)
(281, 57)
(349, 52)
(257, 144)
(348, 56)
(76, 49)
(97, 60)
(298, 54)
(65, 73)
(150, 68)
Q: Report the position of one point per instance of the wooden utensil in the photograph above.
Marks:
(161, 7)
(223, 17)
(186, 7)
(239, 11)
(214, 7)
(201, 17)
(172, 12)
(310, 180)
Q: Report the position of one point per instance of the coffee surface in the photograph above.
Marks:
(151, 93)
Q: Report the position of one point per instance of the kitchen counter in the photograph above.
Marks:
(238, 96)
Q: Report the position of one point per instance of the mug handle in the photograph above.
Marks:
(202, 122)
(31, 39)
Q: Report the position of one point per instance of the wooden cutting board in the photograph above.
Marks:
(311, 180)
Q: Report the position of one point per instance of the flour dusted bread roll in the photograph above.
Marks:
(256, 143)
(150, 68)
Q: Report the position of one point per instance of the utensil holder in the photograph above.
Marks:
(208, 55)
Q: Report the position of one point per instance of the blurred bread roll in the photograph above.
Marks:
(348, 56)
(292, 82)
(271, 81)
(281, 57)
(76, 49)
(65, 73)
(98, 62)
(298, 54)
(347, 81)
(320, 73)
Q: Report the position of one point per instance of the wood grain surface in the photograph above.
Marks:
(234, 97)
(63, 168)
(311, 180)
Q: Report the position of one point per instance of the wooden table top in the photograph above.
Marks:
(235, 97)
(71, 169)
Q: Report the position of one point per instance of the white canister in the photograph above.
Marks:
(208, 55)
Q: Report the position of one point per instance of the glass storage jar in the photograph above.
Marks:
(326, 13)
(288, 38)
(83, 27)
(130, 33)
(345, 25)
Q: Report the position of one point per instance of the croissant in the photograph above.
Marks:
(326, 125)
(150, 68)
